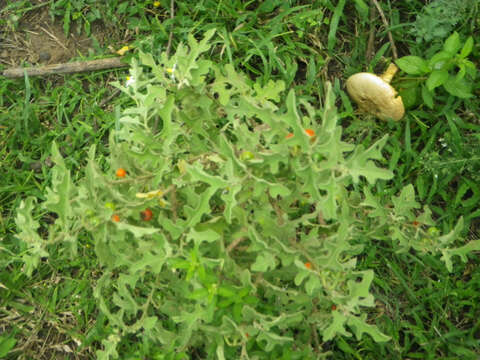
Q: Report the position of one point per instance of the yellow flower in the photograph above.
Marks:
(182, 166)
(153, 194)
(156, 3)
(123, 50)
(162, 203)
(150, 194)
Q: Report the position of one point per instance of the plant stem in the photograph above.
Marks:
(389, 73)
(389, 33)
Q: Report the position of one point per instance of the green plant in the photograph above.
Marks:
(440, 17)
(439, 152)
(449, 69)
(441, 144)
(11, 14)
(83, 13)
(254, 236)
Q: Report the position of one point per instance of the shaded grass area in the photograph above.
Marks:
(428, 312)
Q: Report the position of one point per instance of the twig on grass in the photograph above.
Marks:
(106, 100)
(389, 33)
(371, 34)
(54, 38)
(234, 244)
(318, 347)
(66, 68)
(170, 36)
(173, 201)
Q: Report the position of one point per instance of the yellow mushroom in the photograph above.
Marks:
(375, 95)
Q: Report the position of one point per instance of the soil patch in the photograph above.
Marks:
(39, 40)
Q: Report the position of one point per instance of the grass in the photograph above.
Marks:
(428, 312)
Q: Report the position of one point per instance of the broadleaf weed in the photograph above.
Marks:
(238, 207)
(439, 18)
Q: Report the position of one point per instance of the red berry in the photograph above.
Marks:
(310, 132)
(121, 173)
(115, 218)
(334, 307)
(146, 215)
(308, 265)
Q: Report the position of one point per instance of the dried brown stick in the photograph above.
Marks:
(389, 33)
(66, 68)
(170, 36)
(106, 100)
(371, 35)
(54, 38)
(234, 244)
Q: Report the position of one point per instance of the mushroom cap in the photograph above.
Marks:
(376, 96)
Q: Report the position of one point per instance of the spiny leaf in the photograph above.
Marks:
(59, 195)
(360, 326)
(336, 327)
(198, 174)
(138, 231)
(462, 252)
(360, 163)
(198, 237)
(265, 261)
(28, 234)
(405, 203)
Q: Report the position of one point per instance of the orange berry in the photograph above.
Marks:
(289, 136)
(308, 265)
(121, 173)
(415, 223)
(146, 215)
(310, 132)
(334, 307)
(115, 218)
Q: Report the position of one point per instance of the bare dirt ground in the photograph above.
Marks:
(38, 39)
